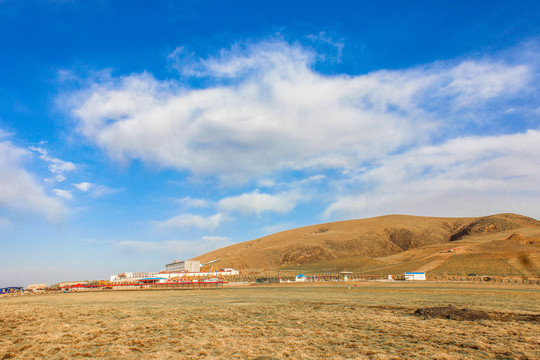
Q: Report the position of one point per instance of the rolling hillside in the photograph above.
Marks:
(503, 244)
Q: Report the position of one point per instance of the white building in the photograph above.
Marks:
(345, 275)
(182, 266)
(300, 278)
(415, 276)
(37, 287)
(129, 277)
(71, 283)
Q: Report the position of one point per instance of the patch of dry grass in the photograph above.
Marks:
(373, 321)
(484, 264)
(354, 263)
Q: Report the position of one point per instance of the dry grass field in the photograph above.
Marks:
(329, 321)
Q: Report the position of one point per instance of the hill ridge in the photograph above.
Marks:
(370, 238)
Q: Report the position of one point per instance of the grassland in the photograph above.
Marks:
(372, 321)
(476, 263)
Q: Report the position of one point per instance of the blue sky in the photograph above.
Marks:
(134, 133)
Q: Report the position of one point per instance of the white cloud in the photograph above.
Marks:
(103, 190)
(83, 186)
(216, 239)
(95, 190)
(182, 59)
(277, 114)
(257, 203)
(254, 203)
(265, 113)
(193, 221)
(477, 81)
(179, 248)
(241, 60)
(65, 194)
(19, 190)
(189, 203)
(56, 166)
(337, 46)
(467, 176)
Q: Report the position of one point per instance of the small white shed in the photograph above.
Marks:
(301, 278)
(415, 276)
(345, 275)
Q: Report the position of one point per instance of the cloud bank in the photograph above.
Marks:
(180, 248)
(187, 221)
(257, 203)
(474, 175)
(394, 138)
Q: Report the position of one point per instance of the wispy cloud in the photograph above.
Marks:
(83, 186)
(189, 203)
(179, 248)
(186, 221)
(19, 189)
(333, 50)
(248, 204)
(56, 166)
(95, 190)
(65, 194)
(258, 203)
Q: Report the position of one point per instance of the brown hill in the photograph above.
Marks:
(376, 244)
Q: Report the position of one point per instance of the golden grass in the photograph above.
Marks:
(396, 269)
(355, 264)
(373, 321)
(481, 264)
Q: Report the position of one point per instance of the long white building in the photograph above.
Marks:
(165, 276)
(185, 265)
(174, 270)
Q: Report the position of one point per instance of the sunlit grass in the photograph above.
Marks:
(476, 263)
(373, 320)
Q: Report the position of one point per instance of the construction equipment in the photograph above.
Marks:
(186, 278)
(104, 284)
(210, 262)
(218, 277)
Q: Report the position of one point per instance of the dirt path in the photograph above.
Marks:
(441, 258)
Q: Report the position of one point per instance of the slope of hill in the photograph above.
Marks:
(390, 244)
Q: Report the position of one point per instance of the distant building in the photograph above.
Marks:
(130, 277)
(182, 266)
(71, 283)
(11, 290)
(345, 275)
(415, 276)
(37, 287)
(301, 278)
